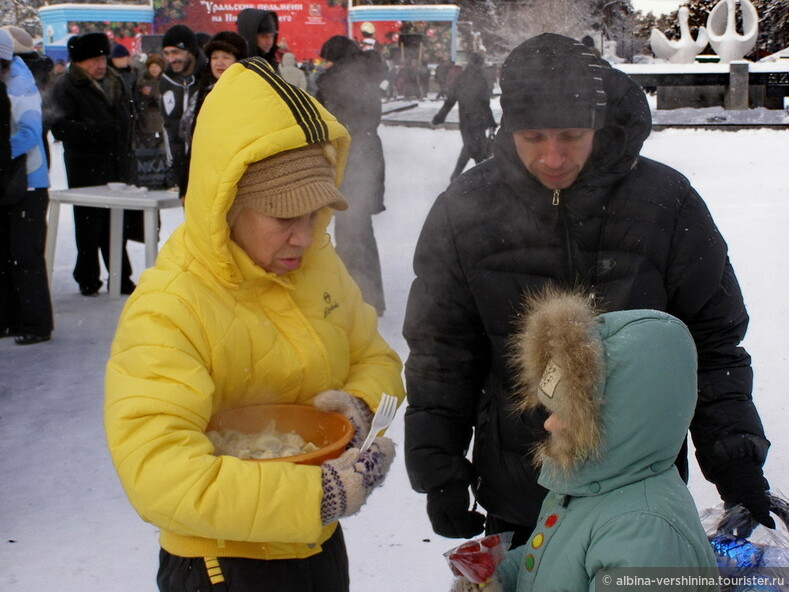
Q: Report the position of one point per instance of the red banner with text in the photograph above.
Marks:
(303, 26)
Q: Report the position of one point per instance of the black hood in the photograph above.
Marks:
(617, 144)
(248, 24)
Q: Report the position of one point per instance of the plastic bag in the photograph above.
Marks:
(750, 558)
(477, 559)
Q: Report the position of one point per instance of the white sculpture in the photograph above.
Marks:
(682, 51)
(724, 38)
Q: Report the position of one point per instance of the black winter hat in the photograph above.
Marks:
(338, 47)
(552, 81)
(228, 41)
(119, 51)
(89, 45)
(181, 36)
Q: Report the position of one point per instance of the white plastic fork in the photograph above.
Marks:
(382, 419)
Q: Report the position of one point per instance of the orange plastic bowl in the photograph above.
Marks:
(330, 432)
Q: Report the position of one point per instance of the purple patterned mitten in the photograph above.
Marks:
(349, 479)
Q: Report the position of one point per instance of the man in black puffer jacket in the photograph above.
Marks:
(566, 199)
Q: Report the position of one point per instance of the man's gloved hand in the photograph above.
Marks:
(351, 407)
(448, 510)
(349, 479)
(743, 484)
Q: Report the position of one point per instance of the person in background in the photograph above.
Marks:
(619, 390)
(222, 51)
(151, 148)
(150, 126)
(471, 91)
(566, 199)
(260, 29)
(291, 73)
(42, 68)
(249, 304)
(185, 65)
(93, 118)
(120, 61)
(441, 75)
(349, 88)
(25, 304)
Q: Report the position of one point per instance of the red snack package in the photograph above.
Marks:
(476, 560)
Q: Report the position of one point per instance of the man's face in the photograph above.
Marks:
(555, 155)
(96, 67)
(122, 62)
(179, 60)
(265, 41)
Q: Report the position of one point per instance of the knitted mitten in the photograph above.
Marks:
(349, 479)
(351, 407)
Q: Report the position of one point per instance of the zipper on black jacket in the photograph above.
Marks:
(561, 218)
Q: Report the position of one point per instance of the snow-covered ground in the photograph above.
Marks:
(65, 523)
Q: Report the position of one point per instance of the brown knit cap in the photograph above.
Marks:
(289, 184)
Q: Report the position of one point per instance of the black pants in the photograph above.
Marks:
(475, 145)
(356, 246)
(325, 572)
(25, 304)
(92, 234)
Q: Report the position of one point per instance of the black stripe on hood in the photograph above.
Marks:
(299, 103)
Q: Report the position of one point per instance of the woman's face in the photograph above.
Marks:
(154, 69)
(275, 244)
(221, 61)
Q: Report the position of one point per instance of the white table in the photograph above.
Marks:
(101, 196)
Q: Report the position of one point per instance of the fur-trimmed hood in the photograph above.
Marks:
(622, 383)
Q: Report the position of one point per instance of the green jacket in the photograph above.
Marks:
(625, 506)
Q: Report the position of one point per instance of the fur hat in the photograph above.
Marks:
(228, 41)
(155, 58)
(89, 45)
(119, 51)
(559, 361)
(552, 81)
(182, 37)
(23, 42)
(289, 184)
(6, 46)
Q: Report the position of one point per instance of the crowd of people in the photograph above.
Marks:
(249, 302)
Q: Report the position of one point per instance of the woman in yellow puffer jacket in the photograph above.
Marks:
(248, 303)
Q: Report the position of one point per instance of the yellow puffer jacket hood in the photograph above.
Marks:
(250, 114)
(208, 330)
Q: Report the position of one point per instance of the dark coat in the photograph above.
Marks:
(95, 128)
(175, 91)
(5, 135)
(350, 90)
(632, 231)
(148, 97)
(471, 90)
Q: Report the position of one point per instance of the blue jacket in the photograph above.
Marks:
(26, 136)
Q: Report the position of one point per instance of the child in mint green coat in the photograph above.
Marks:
(620, 392)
